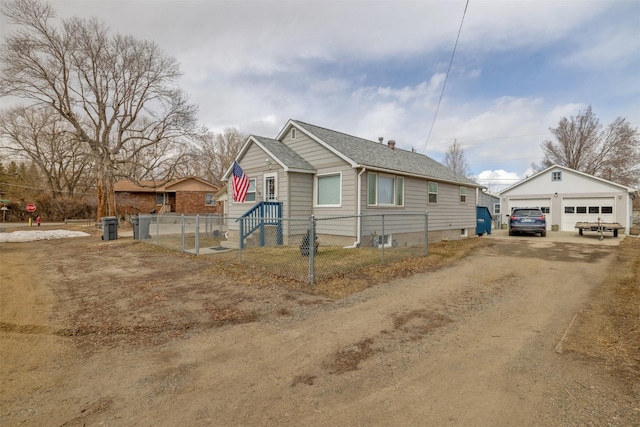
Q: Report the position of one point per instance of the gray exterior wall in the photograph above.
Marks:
(297, 191)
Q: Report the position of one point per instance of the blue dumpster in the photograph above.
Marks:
(483, 220)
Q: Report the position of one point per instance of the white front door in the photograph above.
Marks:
(270, 187)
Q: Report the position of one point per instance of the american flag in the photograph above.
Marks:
(240, 183)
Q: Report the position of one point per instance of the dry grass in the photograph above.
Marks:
(609, 329)
(341, 272)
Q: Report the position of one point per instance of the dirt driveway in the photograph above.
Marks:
(120, 333)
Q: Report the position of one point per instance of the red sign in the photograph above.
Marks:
(31, 207)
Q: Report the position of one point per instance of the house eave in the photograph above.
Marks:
(414, 175)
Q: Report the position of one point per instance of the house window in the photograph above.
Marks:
(594, 209)
(496, 208)
(463, 232)
(556, 176)
(386, 241)
(270, 187)
(209, 199)
(433, 193)
(293, 133)
(373, 193)
(385, 190)
(251, 192)
(607, 210)
(581, 209)
(399, 191)
(328, 190)
(160, 199)
(463, 194)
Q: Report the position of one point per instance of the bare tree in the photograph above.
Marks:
(44, 138)
(215, 152)
(612, 153)
(118, 93)
(455, 160)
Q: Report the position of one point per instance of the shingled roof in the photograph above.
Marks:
(284, 154)
(370, 154)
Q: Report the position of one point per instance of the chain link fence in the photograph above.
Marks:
(306, 250)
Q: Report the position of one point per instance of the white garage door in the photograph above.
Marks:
(586, 210)
(544, 204)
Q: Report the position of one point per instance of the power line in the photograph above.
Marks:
(446, 78)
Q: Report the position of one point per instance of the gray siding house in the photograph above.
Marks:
(316, 171)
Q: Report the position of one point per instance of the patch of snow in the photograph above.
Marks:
(32, 236)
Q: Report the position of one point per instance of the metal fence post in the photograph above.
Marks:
(157, 230)
(197, 234)
(426, 232)
(182, 231)
(312, 250)
(382, 261)
(240, 242)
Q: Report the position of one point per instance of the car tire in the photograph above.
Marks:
(543, 234)
(510, 233)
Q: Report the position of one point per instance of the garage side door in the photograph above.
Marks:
(544, 204)
(586, 210)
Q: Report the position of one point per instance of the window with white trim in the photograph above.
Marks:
(433, 193)
(556, 176)
(329, 190)
(496, 208)
(209, 199)
(251, 192)
(385, 190)
(463, 194)
(293, 133)
(159, 199)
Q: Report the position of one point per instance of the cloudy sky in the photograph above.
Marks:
(377, 68)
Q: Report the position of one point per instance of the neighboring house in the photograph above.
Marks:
(311, 170)
(567, 196)
(189, 195)
(492, 202)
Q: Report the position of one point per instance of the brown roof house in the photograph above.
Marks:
(189, 195)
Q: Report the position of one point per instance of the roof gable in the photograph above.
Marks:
(577, 174)
(190, 183)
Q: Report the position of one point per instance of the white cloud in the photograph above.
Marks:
(497, 180)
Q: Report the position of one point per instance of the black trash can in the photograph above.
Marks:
(109, 227)
(135, 221)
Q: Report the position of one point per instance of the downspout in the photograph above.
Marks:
(356, 244)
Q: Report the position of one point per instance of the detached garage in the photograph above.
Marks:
(567, 196)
